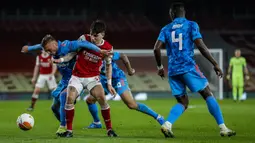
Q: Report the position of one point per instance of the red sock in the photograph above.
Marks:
(107, 118)
(33, 101)
(69, 119)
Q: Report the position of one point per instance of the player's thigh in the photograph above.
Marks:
(240, 81)
(104, 85)
(60, 87)
(90, 99)
(234, 81)
(120, 85)
(177, 86)
(75, 87)
(91, 82)
(51, 81)
(40, 83)
(195, 80)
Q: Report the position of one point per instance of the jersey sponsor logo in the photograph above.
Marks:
(45, 64)
(91, 57)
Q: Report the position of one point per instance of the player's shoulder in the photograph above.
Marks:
(84, 37)
(167, 27)
(242, 58)
(107, 45)
(232, 58)
(64, 43)
(192, 23)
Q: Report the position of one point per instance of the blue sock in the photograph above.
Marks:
(175, 113)
(94, 111)
(62, 108)
(145, 109)
(214, 109)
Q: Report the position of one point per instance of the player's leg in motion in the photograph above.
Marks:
(91, 102)
(72, 93)
(215, 111)
(240, 87)
(34, 98)
(132, 104)
(179, 92)
(62, 129)
(55, 108)
(234, 87)
(121, 86)
(98, 92)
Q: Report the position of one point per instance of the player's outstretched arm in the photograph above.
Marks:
(157, 54)
(65, 58)
(205, 52)
(127, 64)
(26, 49)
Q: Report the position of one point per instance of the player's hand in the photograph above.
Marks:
(161, 73)
(131, 72)
(24, 49)
(57, 61)
(247, 77)
(33, 81)
(106, 52)
(112, 90)
(218, 71)
(228, 77)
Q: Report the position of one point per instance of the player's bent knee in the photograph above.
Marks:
(37, 90)
(206, 92)
(132, 106)
(69, 106)
(184, 100)
(104, 106)
(90, 100)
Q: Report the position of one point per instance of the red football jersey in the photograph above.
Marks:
(89, 63)
(45, 63)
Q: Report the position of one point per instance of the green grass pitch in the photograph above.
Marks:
(195, 125)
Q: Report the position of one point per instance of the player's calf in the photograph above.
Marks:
(215, 111)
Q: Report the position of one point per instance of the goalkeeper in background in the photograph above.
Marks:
(237, 65)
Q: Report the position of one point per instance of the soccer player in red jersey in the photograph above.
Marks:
(46, 70)
(86, 76)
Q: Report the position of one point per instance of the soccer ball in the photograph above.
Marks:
(25, 122)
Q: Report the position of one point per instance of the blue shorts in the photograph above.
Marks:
(194, 80)
(61, 87)
(119, 84)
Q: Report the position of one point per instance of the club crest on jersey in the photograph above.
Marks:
(63, 44)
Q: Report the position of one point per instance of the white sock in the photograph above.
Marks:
(167, 124)
(97, 123)
(70, 131)
(223, 126)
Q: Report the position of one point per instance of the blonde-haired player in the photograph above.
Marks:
(46, 70)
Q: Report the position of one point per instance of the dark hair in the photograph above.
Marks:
(46, 39)
(97, 26)
(177, 6)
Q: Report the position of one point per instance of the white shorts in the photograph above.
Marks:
(49, 78)
(84, 83)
